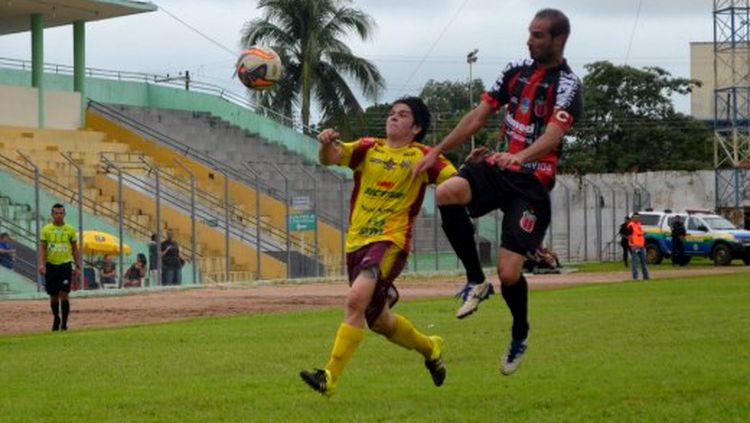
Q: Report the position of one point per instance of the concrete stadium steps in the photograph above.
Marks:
(211, 180)
(234, 146)
(164, 158)
(44, 148)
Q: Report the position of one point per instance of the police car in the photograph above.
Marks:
(708, 235)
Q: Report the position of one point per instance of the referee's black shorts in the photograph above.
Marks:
(521, 197)
(58, 278)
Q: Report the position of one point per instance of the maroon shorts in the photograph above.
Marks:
(390, 261)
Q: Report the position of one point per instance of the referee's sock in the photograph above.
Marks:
(54, 305)
(460, 233)
(65, 312)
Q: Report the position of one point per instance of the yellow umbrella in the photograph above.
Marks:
(98, 242)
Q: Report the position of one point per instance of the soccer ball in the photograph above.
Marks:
(259, 68)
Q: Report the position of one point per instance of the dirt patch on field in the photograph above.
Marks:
(92, 310)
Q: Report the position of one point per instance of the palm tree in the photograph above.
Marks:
(307, 34)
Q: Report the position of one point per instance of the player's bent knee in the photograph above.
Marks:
(508, 276)
(355, 305)
(456, 190)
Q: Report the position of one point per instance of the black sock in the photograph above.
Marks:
(460, 233)
(55, 306)
(65, 312)
(517, 298)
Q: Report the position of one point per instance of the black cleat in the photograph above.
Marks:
(320, 380)
(435, 363)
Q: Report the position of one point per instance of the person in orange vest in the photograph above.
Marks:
(637, 242)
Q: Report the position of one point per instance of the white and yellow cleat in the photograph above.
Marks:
(473, 294)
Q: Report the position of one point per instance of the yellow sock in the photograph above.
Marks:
(347, 340)
(407, 336)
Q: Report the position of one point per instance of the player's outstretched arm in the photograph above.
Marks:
(469, 125)
(329, 152)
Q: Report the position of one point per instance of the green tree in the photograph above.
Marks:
(309, 37)
(369, 122)
(449, 102)
(630, 124)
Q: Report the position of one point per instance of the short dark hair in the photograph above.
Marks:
(4, 234)
(420, 111)
(57, 206)
(559, 23)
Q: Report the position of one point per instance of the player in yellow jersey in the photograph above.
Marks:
(384, 205)
(59, 250)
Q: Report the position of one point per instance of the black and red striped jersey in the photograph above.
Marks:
(535, 97)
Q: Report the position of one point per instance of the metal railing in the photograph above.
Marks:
(181, 81)
(115, 116)
(176, 194)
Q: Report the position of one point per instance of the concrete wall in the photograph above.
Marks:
(587, 211)
(702, 69)
(19, 107)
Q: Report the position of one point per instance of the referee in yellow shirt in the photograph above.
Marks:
(59, 250)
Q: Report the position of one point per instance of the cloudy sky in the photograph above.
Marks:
(415, 40)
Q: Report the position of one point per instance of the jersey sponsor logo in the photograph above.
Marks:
(567, 89)
(388, 210)
(528, 221)
(518, 126)
(540, 166)
(387, 164)
(374, 227)
(374, 192)
(405, 164)
(385, 184)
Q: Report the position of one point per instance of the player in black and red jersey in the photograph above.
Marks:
(543, 99)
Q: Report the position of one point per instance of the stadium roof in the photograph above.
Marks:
(15, 14)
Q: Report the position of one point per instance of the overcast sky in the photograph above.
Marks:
(415, 40)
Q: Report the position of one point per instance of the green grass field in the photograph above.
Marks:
(669, 350)
(695, 263)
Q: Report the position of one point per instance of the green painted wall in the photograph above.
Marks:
(23, 193)
(13, 284)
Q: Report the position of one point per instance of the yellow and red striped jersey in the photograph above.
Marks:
(385, 201)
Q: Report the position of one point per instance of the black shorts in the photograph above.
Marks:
(58, 278)
(521, 197)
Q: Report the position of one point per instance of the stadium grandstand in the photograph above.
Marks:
(136, 154)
